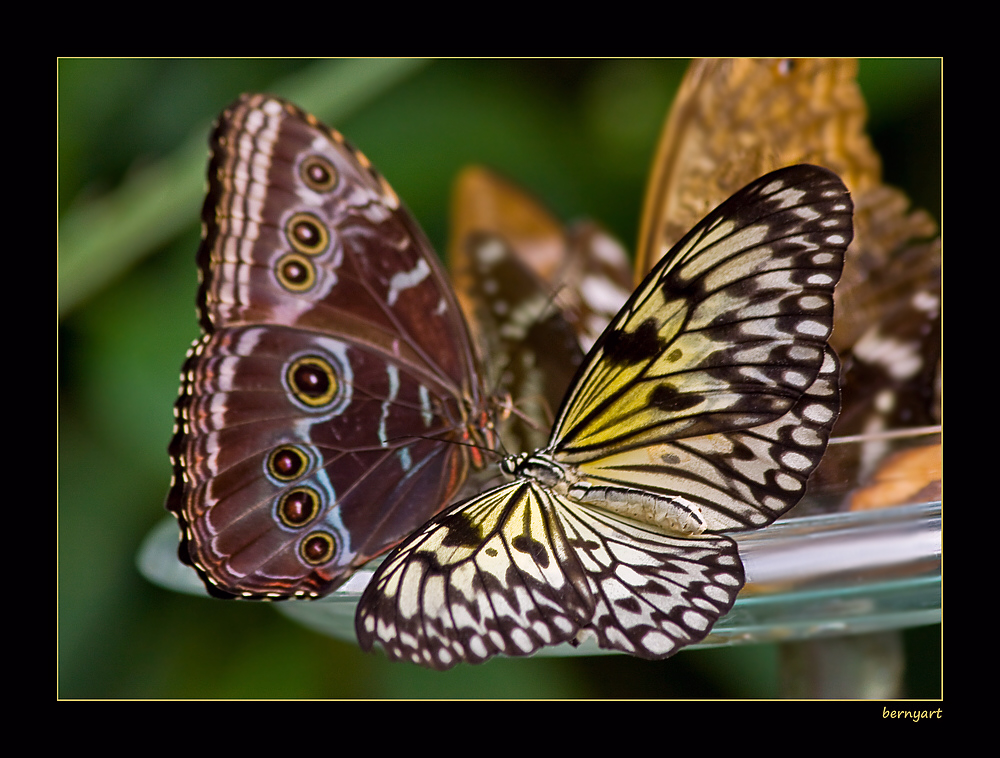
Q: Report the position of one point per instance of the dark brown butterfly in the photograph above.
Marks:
(336, 400)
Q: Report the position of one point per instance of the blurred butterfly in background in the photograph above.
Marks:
(336, 400)
(536, 294)
(703, 408)
(733, 120)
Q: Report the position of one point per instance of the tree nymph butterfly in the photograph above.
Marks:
(702, 409)
(336, 400)
(733, 120)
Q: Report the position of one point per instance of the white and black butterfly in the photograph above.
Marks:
(702, 409)
(735, 119)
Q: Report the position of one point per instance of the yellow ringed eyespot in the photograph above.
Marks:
(298, 507)
(313, 381)
(287, 463)
(318, 548)
(318, 173)
(296, 272)
(307, 234)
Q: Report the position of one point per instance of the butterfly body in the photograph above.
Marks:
(336, 400)
(703, 408)
(672, 514)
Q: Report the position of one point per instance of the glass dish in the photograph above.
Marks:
(828, 572)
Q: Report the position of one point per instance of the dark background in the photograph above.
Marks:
(132, 149)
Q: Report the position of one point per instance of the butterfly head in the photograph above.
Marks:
(539, 466)
(512, 464)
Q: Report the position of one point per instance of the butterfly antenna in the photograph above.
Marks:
(530, 420)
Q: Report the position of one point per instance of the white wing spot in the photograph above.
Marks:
(543, 632)
(926, 302)
(520, 638)
(602, 295)
(901, 359)
(806, 437)
(407, 279)
(491, 253)
(657, 643)
(796, 461)
(426, 414)
(696, 620)
(795, 378)
(788, 483)
(818, 414)
(803, 352)
(812, 328)
(564, 624)
(497, 639)
(811, 302)
(885, 400)
(392, 372)
(731, 579)
(477, 647)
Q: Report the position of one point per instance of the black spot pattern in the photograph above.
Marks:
(526, 544)
(667, 398)
(630, 348)
(463, 531)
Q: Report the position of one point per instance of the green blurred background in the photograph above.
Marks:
(132, 152)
